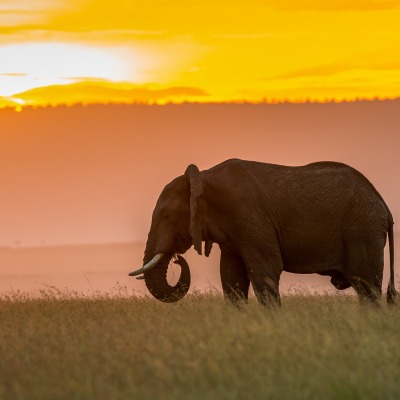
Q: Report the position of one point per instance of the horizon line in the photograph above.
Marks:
(150, 103)
(84, 244)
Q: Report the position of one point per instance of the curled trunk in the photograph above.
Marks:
(156, 280)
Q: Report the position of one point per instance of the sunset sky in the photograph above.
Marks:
(97, 51)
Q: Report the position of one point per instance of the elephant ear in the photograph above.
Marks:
(193, 177)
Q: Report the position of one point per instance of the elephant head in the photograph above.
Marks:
(175, 227)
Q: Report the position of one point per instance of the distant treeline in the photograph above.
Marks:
(182, 103)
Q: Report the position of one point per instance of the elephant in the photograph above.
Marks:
(325, 217)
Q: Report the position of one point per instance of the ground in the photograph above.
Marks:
(65, 346)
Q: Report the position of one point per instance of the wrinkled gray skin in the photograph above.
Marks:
(323, 218)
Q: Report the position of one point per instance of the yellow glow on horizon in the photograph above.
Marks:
(226, 50)
(26, 66)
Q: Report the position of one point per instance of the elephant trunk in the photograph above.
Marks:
(156, 279)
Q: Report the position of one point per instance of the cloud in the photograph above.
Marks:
(35, 31)
(18, 11)
(28, 5)
(102, 91)
(338, 5)
(336, 68)
(13, 74)
(244, 35)
(13, 19)
(320, 70)
(15, 14)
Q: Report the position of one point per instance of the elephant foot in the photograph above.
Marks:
(340, 282)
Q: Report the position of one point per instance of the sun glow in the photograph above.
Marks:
(27, 66)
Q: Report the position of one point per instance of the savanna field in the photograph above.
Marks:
(63, 345)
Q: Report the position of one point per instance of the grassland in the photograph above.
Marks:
(63, 346)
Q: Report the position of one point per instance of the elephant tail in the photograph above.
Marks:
(391, 291)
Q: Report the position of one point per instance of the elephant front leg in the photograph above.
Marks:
(235, 282)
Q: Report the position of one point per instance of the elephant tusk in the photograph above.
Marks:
(151, 264)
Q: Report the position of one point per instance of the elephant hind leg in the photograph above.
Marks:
(234, 279)
(367, 291)
(365, 271)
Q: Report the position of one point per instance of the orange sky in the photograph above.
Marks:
(141, 50)
(79, 175)
(93, 174)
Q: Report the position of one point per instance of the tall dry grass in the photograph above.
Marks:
(65, 346)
